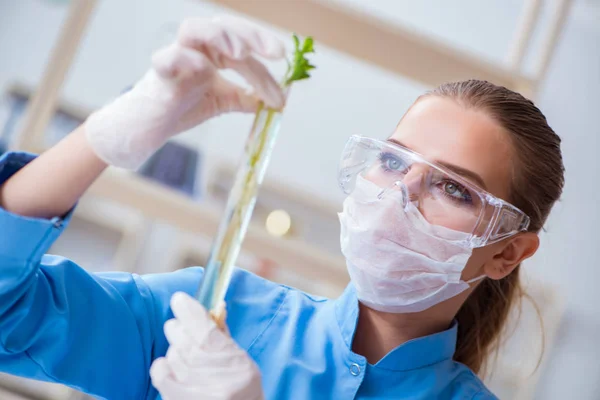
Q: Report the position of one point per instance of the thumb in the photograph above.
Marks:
(225, 97)
(235, 98)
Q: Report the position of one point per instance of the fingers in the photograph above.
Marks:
(175, 61)
(234, 98)
(258, 76)
(159, 371)
(186, 359)
(261, 41)
(197, 324)
(164, 381)
(192, 315)
(179, 366)
(202, 361)
(177, 335)
(231, 43)
(233, 37)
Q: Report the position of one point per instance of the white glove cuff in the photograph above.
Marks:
(126, 132)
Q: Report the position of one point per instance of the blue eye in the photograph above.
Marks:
(391, 163)
(455, 191)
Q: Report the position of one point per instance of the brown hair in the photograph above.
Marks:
(537, 183)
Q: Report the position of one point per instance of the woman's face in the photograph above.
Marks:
(468, 139)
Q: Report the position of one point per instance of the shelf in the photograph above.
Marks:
(370, 39)
(156, 201)
(115, 232)
(162, 203)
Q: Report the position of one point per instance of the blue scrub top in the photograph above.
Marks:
(100, 332)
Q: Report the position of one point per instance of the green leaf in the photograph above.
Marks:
(308, 45)
(296, 42)
(298, 68)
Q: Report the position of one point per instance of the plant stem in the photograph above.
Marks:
(240, 206)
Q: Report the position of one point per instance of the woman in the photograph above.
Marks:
(437, 220)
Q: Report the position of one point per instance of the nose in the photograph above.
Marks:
(413, 181)
(397, 186)
(410, 186)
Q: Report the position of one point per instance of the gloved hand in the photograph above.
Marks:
(202, 362)
(184, 88)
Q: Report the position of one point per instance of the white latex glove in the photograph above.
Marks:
(184, 88)
(202, 362)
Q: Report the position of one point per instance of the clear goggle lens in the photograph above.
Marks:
(443, 198)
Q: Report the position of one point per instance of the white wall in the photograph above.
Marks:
(570, 254)
(346, 97)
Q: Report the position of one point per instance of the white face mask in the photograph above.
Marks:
(394, 262)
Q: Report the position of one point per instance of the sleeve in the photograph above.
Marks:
(251, 302)
(61, 324)
(98, 333)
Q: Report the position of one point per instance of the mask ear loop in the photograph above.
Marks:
(477, 278)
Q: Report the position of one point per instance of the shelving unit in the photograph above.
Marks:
(121, 229)
(154, 201)
(339, 27)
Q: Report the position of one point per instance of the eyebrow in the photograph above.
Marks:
(465, 173)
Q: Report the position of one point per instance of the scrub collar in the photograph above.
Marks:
(415, 353)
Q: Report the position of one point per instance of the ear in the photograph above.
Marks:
(514, 251)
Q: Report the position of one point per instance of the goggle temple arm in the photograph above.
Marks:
(507, 222)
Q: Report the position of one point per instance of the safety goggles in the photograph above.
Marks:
(443, 197)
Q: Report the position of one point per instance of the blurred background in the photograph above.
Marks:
(60, 60)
